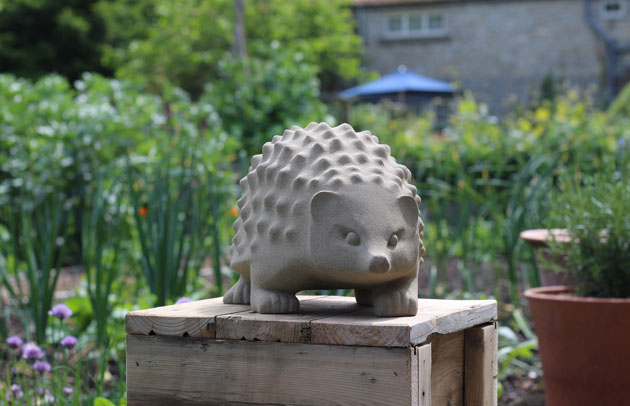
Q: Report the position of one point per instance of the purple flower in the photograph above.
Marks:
(17, 393)
(183, 300)
(14, 341)
(32, 351)
(67, 390)
(41, 367)
(49, 398)
(60, 311)
(69, 342)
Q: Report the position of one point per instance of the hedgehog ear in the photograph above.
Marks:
(409, 209)
(324, 204)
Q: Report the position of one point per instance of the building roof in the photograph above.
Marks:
(400, 80)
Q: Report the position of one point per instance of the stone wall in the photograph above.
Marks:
(499, 50)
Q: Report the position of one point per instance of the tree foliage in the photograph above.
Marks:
(183, 41)
(260, 98)
(43, 36)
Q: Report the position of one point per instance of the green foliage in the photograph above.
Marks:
(620, 107)
(72, 145)
(183, 42)
(257, 99)
(170, 211)
(43, 36)
(58, 137)
(31, 254)
(102, 236)
(594, 208)
(322, 32)
(103, 402)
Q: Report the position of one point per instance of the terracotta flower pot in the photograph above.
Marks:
(584, 345)
(539, 239)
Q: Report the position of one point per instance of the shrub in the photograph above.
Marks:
(257, 99)
(595, 210)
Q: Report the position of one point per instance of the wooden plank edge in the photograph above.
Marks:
(482, 314)
(481, 365)
(423, 355)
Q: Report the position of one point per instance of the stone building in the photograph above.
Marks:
(501, 49)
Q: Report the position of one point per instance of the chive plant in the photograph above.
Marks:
(101, 242)
(170, 212)
(32, 258)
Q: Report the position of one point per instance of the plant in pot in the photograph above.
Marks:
(584, 329)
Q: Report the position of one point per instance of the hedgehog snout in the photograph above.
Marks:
(379, 264)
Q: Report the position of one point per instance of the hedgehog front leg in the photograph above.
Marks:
(397, 299)
(239, 293)
(273, 301)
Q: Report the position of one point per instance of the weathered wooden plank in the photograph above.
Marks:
(447, 369)
(288, 328)
(332, 320)
(424, 374)
(185, 371)
(434, 317)
(194, 319)
(481, 369)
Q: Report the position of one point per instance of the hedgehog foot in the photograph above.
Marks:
(396, 303)
(239, 293)
(397, 300)
(273, 301)
(364, 297)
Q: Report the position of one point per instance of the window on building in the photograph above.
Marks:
(612, 9)
(414, 25)
(395, 24)
(436, 22)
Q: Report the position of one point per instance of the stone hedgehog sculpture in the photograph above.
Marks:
(327, 208)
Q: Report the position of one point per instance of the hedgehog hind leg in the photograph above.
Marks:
(239, 293)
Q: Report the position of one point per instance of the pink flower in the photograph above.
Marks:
(69, 342)
(67, 390)
(183, 300)
(42, 367)
(32, 351)
(60, 311)
(14, 341)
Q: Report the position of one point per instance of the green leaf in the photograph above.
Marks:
(102, 402)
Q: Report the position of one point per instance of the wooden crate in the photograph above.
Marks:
(334, 352)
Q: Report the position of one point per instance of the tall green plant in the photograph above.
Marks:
(31, 259)
(170, 213)
(101, 240)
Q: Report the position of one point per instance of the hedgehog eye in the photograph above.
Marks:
(393, 241)
(352, 238)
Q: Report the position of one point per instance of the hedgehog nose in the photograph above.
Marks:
(379, 265)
